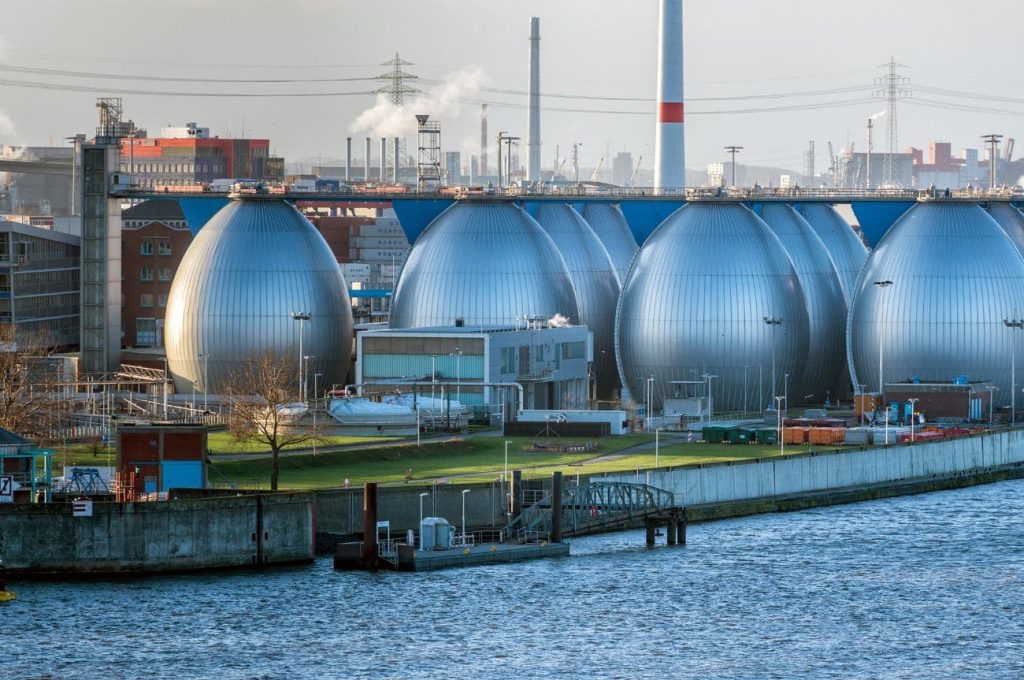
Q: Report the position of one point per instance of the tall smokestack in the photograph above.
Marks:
(398, 155)
(483, 141)
(366, 161)
(669, 150)
(533, 124)
(383, 159)
(348, 159)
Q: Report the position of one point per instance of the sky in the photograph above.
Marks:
(816, 58)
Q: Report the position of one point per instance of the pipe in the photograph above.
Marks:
(366, 162)
(533, 121)
(348, 159)
(669, 143)
(427, 383)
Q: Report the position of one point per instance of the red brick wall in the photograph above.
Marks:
(132, 285)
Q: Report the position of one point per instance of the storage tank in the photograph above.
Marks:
(595, 281)
(611, 227)
(1011, 220)
(826, 304)
(255, 263)
(847, 251)
(955, 275)
(486, 263)
(695, 303)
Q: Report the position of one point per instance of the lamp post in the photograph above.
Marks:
(711, 402)
(458, 375)
(464, 492)
(650, 403)
(316, 405)
(301, 317)
(733, 150)
(913, 402)
(778, 416)
(165, 387)
(882, 285)
(205, 356)
(785, 389)
(422, 496)
(657, 443)
(991, 393)
(433, 376)
(1013, 324)
(505, 475)
(305, 375)
(195, 383)
(861, 388)
(774, 322)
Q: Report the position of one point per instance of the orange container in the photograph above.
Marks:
(795, 435)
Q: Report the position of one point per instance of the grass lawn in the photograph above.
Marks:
(224, 442)
(476, 459)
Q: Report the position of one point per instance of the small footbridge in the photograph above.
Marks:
(592, 508)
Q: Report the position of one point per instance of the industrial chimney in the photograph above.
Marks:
(348, 159)
(366, 162)
(483, 141)
(669, 150)
(533, 123)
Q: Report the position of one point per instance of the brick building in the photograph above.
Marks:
(154, 238)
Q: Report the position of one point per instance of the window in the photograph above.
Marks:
(161, 300)
(164, 248)
(145, 332)
(146, 274)
(574, 350)
(146, 300)
(146, 248)
(508, 360)
(165, 273)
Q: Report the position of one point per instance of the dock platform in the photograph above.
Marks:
(407, 558)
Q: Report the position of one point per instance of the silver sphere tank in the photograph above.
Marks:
(595, 281)
(826, 304)
(487, 263)
(611, 227)
(256, 262)
(847, 251)
(1011, 220)
(955, 276)
(695, 303)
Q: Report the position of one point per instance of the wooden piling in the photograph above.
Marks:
(556, 507)
(370, 525)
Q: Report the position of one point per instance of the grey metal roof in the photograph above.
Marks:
(487, 264)
(253, 264)
(955, 276)
(155, 210)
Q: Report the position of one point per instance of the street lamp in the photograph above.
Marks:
(464, 492)
(195, 383)
(164, 386)
(991, 393)
(773, 321)
(711, 402)
(650, 403)
(305, 374)
(861, 387)
(301, 317)
(657, 442)
(316, 404)
(458, 375)
(785, 389)
(422, 496)
(778, 416)
(1013, 324)
(913, 402)
(505, 475)
(882, 285)
(205, 356)
(433, 376)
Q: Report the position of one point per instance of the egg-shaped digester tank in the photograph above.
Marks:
(486, 263)
(847, 251)
(826, 304)
(695, 304)
(596, 283)
(250, 268)
(1011, 220)
(932, 299)
(612, 229)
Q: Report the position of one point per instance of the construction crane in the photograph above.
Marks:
(1009, 150)
(593, 176)
(636, 171)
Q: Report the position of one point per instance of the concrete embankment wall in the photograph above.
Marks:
(149, 537)
(817, 473)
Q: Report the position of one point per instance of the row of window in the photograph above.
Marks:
(164, 273)
(146, 300)
(179, 168)
(162, 248)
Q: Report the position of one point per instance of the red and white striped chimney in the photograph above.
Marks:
(669, 139)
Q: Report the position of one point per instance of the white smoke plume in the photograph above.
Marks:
(385, 119)
(876, 116)
(558, 321)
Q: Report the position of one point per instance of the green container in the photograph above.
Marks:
(714, 434)
(739, 435)
(767, 436)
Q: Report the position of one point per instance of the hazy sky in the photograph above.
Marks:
(736, 51)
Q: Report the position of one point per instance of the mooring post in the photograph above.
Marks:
(650, 526)
(556, 507)
(517, 493)
(671, 533)
(681, 527)
(370, 525)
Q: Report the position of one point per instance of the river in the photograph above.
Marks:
(925, 586)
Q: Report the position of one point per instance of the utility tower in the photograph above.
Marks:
(396, 88)
(428, 170)
(809, 165)
(893, 87)
(993, 157)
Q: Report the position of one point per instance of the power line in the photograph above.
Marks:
(64, 87)
(174, 79)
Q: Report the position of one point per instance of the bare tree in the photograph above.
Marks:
(30, 395)
(263, 408)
